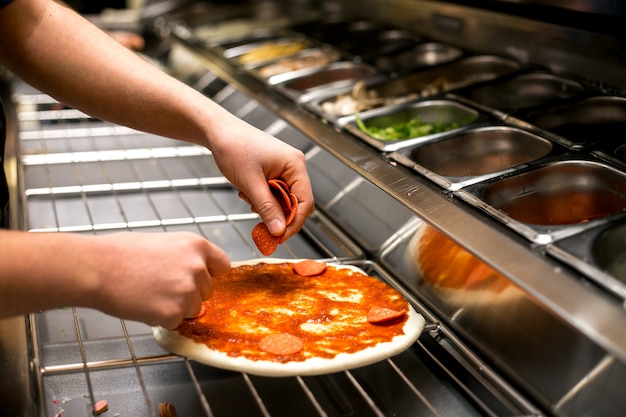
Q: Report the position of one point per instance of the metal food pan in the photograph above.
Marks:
(355, 35)
(522, 91)
(335, 29)
(423, 83)
(255, 36)
(304, 85)
(325, 29)
(588, 122)
(265, 49)
(474, 155)
(599, 253)
(384, 43)
(309, 58)
(429, 111)
(423, 55)
(554, 199)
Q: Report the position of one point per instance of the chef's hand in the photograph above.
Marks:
(250, 159)
(155, 278)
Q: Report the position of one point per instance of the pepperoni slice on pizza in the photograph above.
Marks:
(265, 318)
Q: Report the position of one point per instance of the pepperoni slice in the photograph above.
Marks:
(383, 315)
(264, 240)
(281, 344)
(281, 192)
(279, 183)
(294, 207)
(309, 267)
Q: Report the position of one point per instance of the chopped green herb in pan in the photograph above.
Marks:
(400, 131)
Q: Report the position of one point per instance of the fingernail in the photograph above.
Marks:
(275, 227)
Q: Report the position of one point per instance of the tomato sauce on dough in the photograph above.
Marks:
(328, 312)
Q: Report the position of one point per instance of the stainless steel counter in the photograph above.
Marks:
(559, 348)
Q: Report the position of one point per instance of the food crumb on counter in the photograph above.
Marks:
(100, 407)
(167, 410)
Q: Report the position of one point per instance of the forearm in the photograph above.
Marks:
(43, 271)
(85, 68)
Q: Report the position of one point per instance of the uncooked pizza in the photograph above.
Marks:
(275, 317)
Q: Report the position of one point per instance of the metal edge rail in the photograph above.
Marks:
(589, 310)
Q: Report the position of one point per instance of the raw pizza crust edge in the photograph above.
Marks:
(174, 342)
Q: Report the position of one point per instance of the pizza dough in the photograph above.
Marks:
(409, 331)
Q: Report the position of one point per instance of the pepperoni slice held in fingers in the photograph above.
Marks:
(281, 192)
(383, 315)
(309, 267)
(264, 239)
(281, 344)
(294, 208)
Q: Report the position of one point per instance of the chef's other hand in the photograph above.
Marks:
(159, 279)
(155, 278)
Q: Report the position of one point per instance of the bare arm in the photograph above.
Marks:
(56, 50)
(153, 278)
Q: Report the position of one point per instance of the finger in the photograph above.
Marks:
(205, 284)
(306, 206)
(246, 199)
(216, 260)
(265, 204)
(193, 307)
(201, 312)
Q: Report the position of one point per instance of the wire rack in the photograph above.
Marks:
(86, 176)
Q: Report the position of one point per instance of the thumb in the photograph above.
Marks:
(265, 204)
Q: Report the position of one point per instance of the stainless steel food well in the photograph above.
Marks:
(421, 56)
(523, 91)
(306, 84)
(422, 83)
(599, 253)
(361, 39)
(590, 121)
(435, 112)
(308, 58)
(474, 155)
(252, 52)
(384, 43)
(555, 199)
